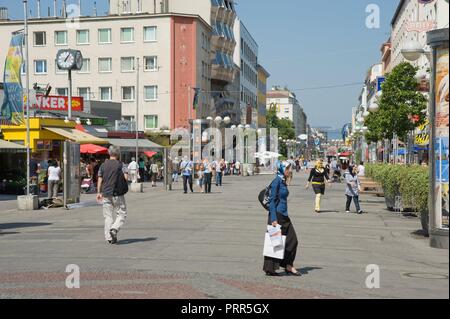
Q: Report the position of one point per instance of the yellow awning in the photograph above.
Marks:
(77, 135)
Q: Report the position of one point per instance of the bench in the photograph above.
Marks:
(369, 187)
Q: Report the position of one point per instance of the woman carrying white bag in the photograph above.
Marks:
(278, 215)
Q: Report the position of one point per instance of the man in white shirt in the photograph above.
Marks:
(361, 170)
(54, 175)
(132, 170)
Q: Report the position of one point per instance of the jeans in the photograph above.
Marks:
(175, 177)
(53, 187)
(219, 178)
(207, 181)
(186, 180)
(349, 201)
(113, 205)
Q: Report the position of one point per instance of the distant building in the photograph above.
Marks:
(263, 75)
(288, 107)
(246, 57)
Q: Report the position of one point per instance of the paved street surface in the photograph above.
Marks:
(210, 246)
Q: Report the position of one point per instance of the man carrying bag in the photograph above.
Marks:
(112, 187)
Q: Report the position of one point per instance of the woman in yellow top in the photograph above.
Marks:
(317, 178)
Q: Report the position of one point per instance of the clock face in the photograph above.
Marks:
(66, 60)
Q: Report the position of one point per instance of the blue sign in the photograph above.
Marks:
(442, 160)
(380, 81)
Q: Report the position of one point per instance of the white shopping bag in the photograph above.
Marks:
(273, 252)
(275, 235)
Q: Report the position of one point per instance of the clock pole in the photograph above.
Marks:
(69, 107)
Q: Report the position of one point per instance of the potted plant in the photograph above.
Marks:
(414, 189)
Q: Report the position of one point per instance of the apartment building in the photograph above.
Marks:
(181, 47)
(413, 15)
(263, 76)
(288, 107)
(246, 57)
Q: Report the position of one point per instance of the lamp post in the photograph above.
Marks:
(27, 90)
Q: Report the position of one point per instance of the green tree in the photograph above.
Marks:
(399, 103)
(286, 128)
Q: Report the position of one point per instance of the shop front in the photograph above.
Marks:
(47, 136)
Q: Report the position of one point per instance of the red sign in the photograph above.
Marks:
(421, 26)
(57, 103)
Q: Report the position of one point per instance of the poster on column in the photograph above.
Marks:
(442, 133)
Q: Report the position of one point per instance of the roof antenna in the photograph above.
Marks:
(95, 9)
(55, 10)
(64, 12)
(38, 9)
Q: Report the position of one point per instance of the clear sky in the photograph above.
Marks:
(303, 44)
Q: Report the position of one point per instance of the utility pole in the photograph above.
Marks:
(27, 90)
(137, 108)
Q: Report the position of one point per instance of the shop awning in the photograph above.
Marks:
(9, 147)
(77, 136)
(93, 149)
(129, 145)
(150, 154)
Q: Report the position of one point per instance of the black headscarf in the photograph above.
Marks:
(351, 170)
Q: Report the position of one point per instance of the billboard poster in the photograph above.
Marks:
(11, 111)
(442, 133)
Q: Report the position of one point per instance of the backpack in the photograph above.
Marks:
(121, 187)
(264, 197)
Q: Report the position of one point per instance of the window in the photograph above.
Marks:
(86, 68)
(104, 36)
(105, 93)
(127, 34)
(104, 65)
(127, 64)
(287, 110)
(24, 68)
(150, 63)
(40, 39)
(60, 37)
(40, 67)
(151, 93)
(149, 34)
(127, 93)
(62, 91)
(151, 122)
(84, 93)
(82, 36)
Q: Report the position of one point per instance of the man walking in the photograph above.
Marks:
(133, 170)
(186, 168)
(112, 187)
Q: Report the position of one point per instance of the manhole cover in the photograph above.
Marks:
(425, 276)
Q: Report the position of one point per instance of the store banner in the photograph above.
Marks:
(57, 103)
(11, 112)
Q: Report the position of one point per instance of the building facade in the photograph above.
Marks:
(182, 48)
(263, 76)
(246, 57)
(288, 107)
(404, 26)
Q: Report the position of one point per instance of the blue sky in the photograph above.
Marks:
(303, 44)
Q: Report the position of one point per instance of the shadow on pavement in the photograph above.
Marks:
(22, 225)
(134, 241)
(8, 233)
(306, 270)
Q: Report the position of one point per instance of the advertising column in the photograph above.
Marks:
(439, 117)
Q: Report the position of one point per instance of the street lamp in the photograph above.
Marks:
(218, 120)
(227, 120)
(374, 107)
(412, 50)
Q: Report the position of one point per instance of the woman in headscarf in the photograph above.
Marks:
(278, 215)
(352, 187)
(317, 177)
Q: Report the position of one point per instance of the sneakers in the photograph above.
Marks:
(113, 233)
(360, 212)
(347, 211)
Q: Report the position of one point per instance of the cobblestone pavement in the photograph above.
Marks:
(210, 246)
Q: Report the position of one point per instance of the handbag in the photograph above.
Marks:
(273, 252)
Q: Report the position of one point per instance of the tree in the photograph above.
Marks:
(399, 104)
(286, 128)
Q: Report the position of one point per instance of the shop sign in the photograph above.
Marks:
(421, 26)
(44, 145)
(57, 103)
(422, 135)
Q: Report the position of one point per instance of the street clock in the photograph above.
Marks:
(69, 59)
